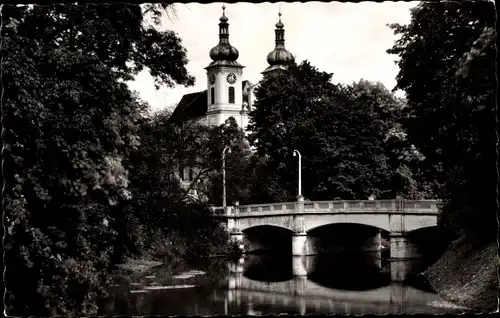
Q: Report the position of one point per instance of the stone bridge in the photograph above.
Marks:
(395, 217)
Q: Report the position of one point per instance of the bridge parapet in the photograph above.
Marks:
(352, 206)
(267, 208)
(421, 206)
(337, 206)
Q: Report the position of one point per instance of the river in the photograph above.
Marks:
(266, 284)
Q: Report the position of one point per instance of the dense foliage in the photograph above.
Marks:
(447, 69)
(69, 122)
(348, 136)
(164, 219)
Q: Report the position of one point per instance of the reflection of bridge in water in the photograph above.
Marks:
(302, 295)
(303, 266)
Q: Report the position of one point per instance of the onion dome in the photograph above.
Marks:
(280, 55)
(224, 51)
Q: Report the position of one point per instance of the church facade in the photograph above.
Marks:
(227, 94)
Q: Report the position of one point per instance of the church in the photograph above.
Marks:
(228, 94)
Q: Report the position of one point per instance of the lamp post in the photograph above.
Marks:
(297, 153)
(224, 175)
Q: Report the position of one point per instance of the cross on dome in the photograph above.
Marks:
(280, 24)
(223, 18)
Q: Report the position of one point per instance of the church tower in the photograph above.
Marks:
(279, 58)
(224, 79)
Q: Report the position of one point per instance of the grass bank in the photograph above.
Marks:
(466, 274)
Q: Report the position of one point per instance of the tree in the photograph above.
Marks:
(446, 59)
(69, 122)
(339, 130)
(470, 192)
(428, 50)
(286, 108)
(371, 160)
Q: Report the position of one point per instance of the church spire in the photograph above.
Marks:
(279, 58)
(224, 51)
(280, 32)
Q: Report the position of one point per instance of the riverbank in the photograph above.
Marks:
(466, 275)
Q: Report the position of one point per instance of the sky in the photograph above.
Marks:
(347, 39)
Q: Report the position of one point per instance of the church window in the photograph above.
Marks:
(191, 174)
(231, 94)
(212, 95)
(181, 173)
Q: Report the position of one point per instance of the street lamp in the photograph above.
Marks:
(297, 153)
(224, 175)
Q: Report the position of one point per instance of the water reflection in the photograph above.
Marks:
(268, 267)
(262, 284)
(351, 271)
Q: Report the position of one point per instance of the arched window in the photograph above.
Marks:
(212, 95)
(181, 173)
(231, 94)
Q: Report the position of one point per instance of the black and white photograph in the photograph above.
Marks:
(237, 158)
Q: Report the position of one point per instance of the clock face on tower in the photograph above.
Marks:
(231, 78)
(211, 78)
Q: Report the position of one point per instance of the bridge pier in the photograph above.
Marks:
(299, 241)
(231, 224)
(236, 237)
(402, 254)
(298, 266)
(401, 247)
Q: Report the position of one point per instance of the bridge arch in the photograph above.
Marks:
(269, 226)
(381, 221)
(430, 241)
(346, 237)
(424, 228)
(413, 222)
(266, 237)
(361, 225)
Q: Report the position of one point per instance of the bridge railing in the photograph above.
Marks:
(352, 206)
(423, 206)
(281, 207)
(340, 206)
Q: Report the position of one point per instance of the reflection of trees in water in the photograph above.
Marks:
(349, 271)
(215, 268)
(268, 267)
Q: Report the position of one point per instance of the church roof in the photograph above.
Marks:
(194, 105)
(191, 106)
